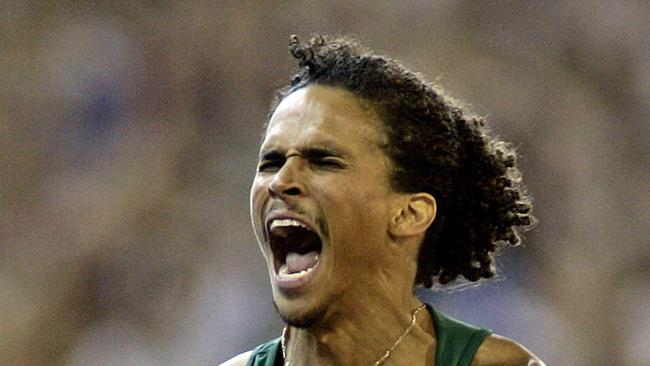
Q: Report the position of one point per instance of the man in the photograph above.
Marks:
(369, 183)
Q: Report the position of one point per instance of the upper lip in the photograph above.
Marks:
(286, 215)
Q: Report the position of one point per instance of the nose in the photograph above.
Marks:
(287, 182)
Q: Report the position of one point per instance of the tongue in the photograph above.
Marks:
(301, 262)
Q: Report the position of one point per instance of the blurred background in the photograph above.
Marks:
(128, 140)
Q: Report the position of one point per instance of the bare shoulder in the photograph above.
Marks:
(239, 360)
(498, 350)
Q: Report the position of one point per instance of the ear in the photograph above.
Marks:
(417, 212)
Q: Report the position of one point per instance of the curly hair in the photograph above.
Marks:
(435, 146)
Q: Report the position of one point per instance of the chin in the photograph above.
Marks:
(300, 318)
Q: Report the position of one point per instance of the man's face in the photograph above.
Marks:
(321, 202)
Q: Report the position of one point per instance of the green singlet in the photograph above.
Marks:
(456, 344)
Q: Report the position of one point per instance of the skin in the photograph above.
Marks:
(321, 162)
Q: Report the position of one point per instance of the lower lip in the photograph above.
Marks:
(294, 284)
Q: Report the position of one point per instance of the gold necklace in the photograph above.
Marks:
(389, 351)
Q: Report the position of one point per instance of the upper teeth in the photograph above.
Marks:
(287, 222)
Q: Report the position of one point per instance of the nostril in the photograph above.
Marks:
(293, 191)
(278, 192)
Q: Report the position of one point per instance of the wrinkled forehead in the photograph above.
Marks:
(325, 111)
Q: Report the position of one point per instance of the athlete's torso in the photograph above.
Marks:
(456, 344)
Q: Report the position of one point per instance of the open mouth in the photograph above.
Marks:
(296, 248)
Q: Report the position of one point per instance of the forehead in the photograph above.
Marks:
(323, 114)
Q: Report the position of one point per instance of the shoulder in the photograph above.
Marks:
(239, 360)
(498, 350)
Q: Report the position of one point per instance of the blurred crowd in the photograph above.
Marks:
(128, 141)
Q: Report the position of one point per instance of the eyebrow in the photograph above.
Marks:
(272, 155)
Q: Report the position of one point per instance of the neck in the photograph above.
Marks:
(363, 333)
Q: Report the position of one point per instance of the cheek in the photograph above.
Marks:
(258, 190)
(257, 199)
(361, 219)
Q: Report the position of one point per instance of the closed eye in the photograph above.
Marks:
(330, 164)
(318, 158)
(269, 166)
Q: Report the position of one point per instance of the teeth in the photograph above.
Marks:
(287, 222)
(284, 272)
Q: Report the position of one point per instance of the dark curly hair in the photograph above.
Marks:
(435, 146)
